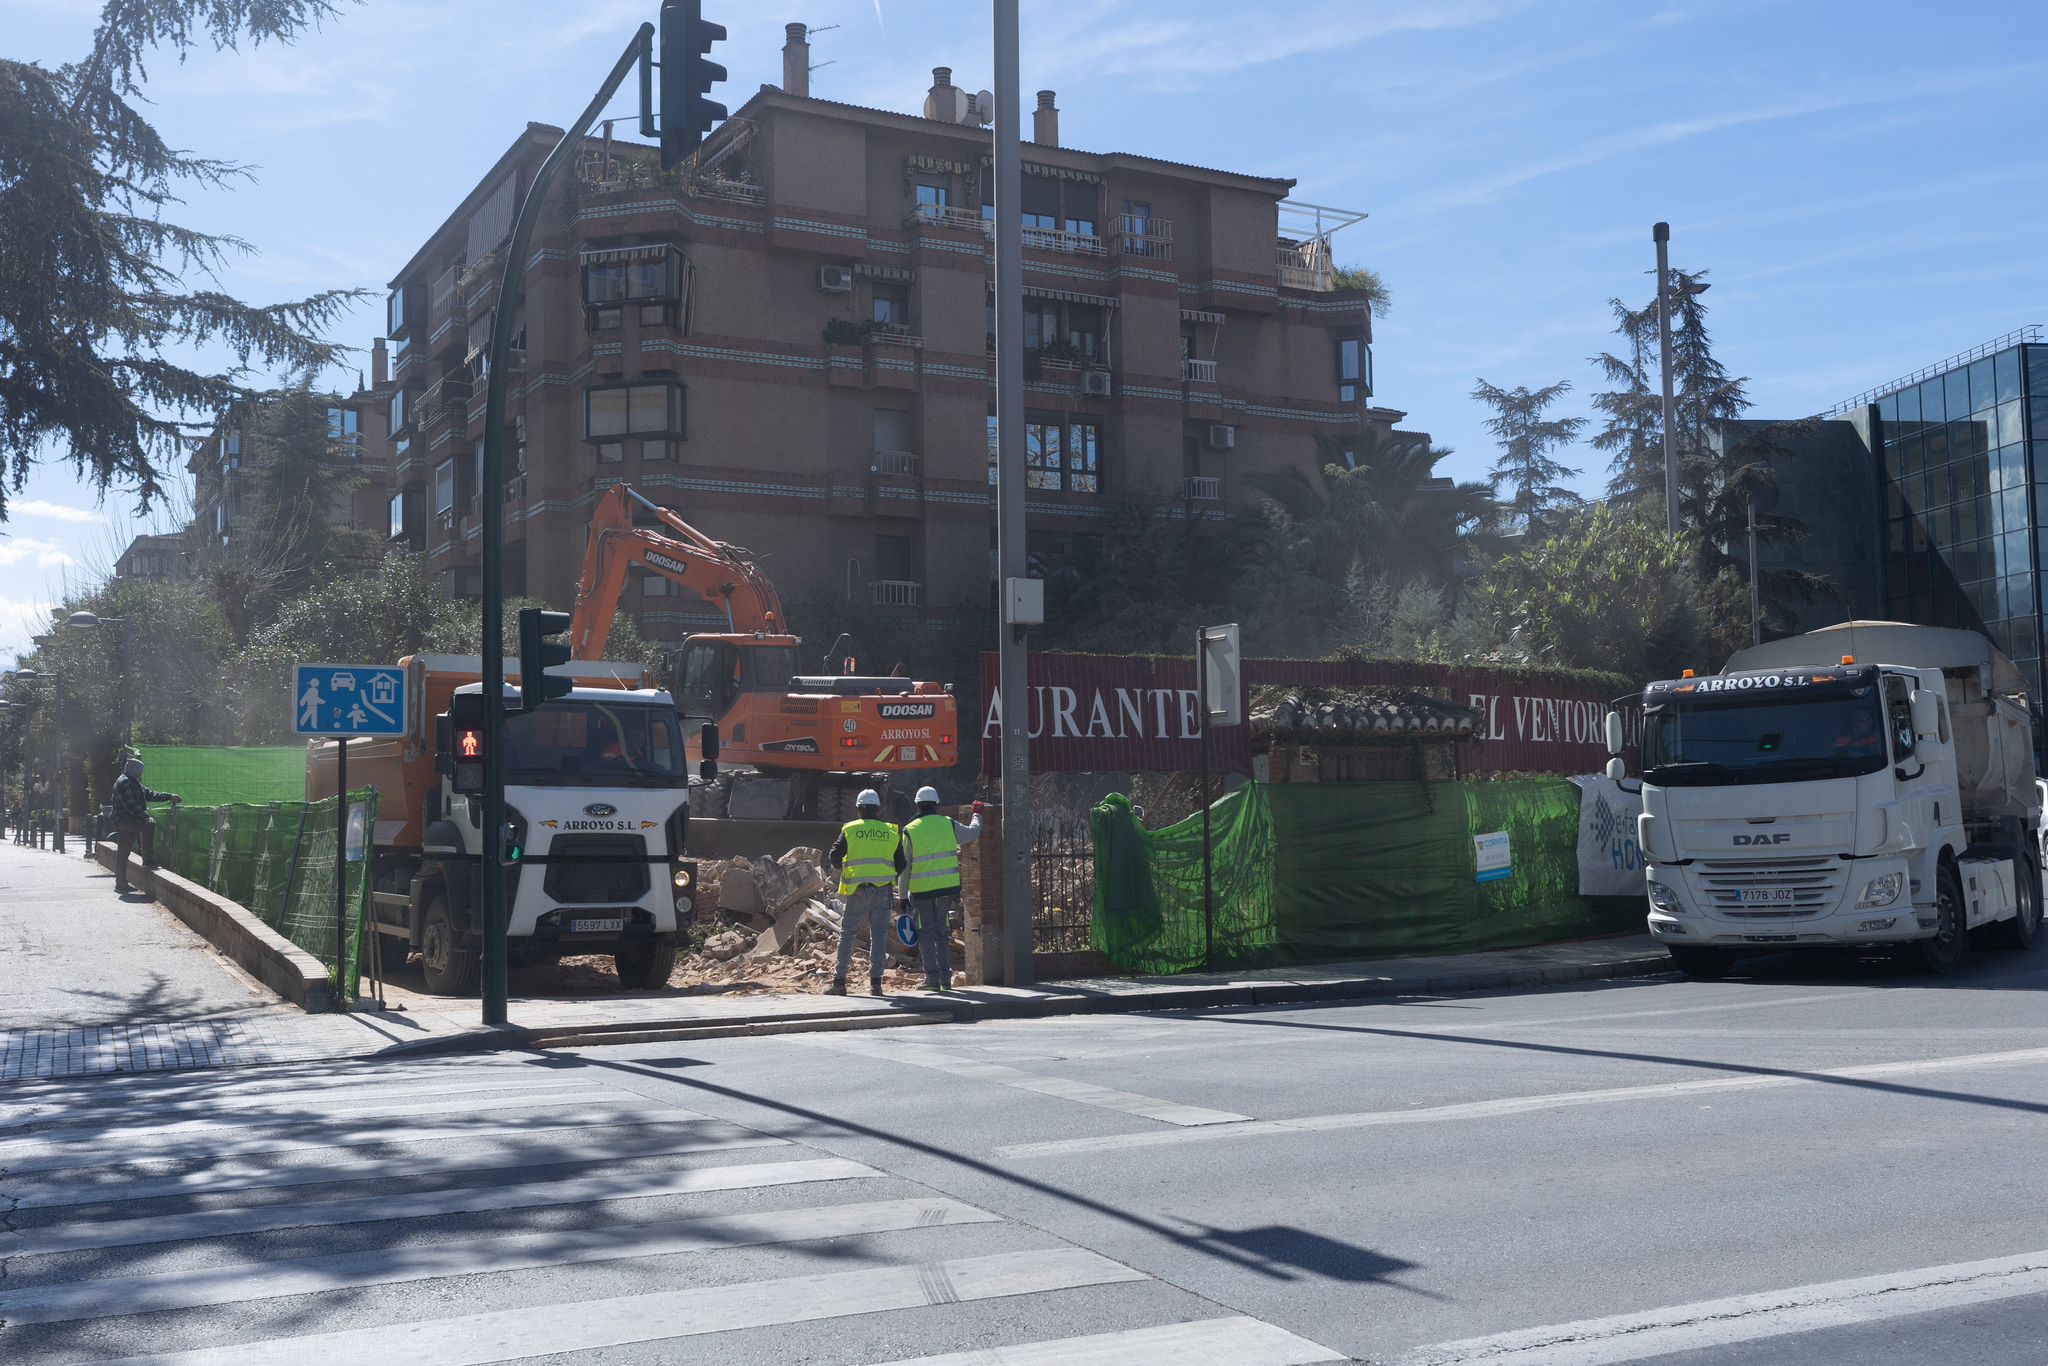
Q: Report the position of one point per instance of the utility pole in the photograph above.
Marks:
(491, 480)
(1012, 672)
(1661, 234)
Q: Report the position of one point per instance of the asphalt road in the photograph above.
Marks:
(1823, 1162)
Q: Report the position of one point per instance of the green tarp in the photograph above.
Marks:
(219, 775)
(1319, 873)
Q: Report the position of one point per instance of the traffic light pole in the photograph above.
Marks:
(491, 482)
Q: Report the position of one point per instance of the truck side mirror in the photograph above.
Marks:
(1617, 737)
(1616, 769)
(1926, 714)
(707, 741)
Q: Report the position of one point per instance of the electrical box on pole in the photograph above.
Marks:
(687, 75)
(537, 650)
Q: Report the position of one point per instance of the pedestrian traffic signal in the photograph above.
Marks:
(536, 652)
(687, 116)
(466, 737)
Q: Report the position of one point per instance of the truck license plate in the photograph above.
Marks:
(610, 925)
(1767, 896)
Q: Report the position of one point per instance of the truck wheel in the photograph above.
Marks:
(1944, 952)
(648, 964)
(2019, 932)
(1702, 965)
(447, 961)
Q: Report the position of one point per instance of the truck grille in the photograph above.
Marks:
(597, 884)
(1816, 883)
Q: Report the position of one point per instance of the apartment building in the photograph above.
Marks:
(792, 342)
(219, 472)
(155, 558)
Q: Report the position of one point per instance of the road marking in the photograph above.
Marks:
(1209, 1342)
(1518, 1105)
(344, 1164)
(274, 1079)
(564, 1094)
(1080, 1092)
(290, 1102)
(586, 1325)
(258, 1140)
(121, 1295)
(222, 1223)
(1748, 1318)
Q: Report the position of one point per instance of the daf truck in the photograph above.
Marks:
(597, 797)
(1867, 784)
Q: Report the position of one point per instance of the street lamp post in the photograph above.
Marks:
(1661, 234)
(91, 620)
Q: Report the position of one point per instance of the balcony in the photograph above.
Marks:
(896, 464)
(897, 592)
(1143, 235)
(442, 311)
(1205, 488)
(1194, 371)
(1059, 240)
(478, 280)
(727, 191)
(946, 216)
(1306, 265)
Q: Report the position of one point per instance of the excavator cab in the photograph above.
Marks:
(711, 673)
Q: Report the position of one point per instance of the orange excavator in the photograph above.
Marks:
(811, 741)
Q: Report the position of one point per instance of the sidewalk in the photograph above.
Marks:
(90, 983)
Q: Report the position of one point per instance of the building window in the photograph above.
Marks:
(397, 528)
(611, 452)
(653, 586)
(444, 488)
(626, 410)
(1041, 324)
(892, 429)
(891, 305)
(1084, 456)
(994, 447)
(932, 200)
(1084, 331)
(343, 425)
(1354, 369)
(896, 559)
(397, 312)
(652, 284)
(399, 415)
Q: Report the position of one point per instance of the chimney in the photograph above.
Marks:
(796, 60)
(939, 104)
(380, 364)
(1045, 121)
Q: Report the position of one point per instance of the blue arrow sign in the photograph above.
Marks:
(348, 699)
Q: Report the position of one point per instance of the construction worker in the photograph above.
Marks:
(869, 855)
(932, 882)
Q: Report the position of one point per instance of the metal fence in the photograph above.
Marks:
(1062, 881)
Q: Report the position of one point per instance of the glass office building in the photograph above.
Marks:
(1964, 455)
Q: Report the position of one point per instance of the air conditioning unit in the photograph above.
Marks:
(1095, 384)
(1222, 437)
(835, 279)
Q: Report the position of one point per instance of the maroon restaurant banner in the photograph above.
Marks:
(1139, 713)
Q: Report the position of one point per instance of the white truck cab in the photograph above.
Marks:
(1867, 784)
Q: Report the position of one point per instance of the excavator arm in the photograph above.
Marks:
(720, 574)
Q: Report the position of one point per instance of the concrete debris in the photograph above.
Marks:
(802, 854)
(738, 892)
(727, 945)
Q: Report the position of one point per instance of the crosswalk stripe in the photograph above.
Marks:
(116, 1296)
(206, 1084)
(215, 1145)
(509, 1334)
(596, 1145)
(222, 1223)
(144, 1134)
(281, 1103)
(1207, 1342)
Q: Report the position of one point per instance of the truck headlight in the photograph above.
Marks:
(1880, 891)
(1662, 898)
(684, 904)
(682, 879)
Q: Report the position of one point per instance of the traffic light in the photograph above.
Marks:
(536, 652)
(687, 76)
(466, 740)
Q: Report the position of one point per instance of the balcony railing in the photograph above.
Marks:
(1194, 371)
(1060, 240)
(1306, 265)
(897, 592)
(1143, 235)
(728, 191)
(899, 463)
(945, 216)
(1205, 488)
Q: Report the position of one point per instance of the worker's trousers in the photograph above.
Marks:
(935, 933)
(870, 904)
(128, 832)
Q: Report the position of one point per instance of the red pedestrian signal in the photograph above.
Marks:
(472, 744)
(466, 740)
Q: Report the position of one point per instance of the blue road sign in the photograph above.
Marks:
(348, 699)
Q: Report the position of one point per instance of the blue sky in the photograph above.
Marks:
(1866, 182)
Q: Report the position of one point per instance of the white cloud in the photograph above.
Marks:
(56, 512)
(26, 550)
(21, 618)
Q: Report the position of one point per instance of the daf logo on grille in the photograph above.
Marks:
(600, 809)
(1782, 837)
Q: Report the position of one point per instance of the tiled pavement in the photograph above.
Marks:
(283, 1036)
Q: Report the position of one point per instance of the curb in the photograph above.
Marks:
(970, 1011)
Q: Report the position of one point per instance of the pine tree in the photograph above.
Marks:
(1632, 434)
(99, 294)
(1526, 465)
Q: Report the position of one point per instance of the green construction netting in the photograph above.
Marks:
(1321, 873)
(217, 775)
(277, 860)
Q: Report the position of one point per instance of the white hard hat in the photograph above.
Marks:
(868, 799)
(928, 794)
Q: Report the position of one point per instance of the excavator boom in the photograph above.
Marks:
(721, 574)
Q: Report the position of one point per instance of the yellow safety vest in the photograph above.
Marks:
(934, 853)
(870, 855)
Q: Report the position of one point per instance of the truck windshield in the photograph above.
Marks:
(595, 744)
(1753, 739)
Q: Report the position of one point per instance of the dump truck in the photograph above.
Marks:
(795, 746)
(597, 797)
(1870, 783)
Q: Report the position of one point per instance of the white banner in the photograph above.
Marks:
(1610, 864)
